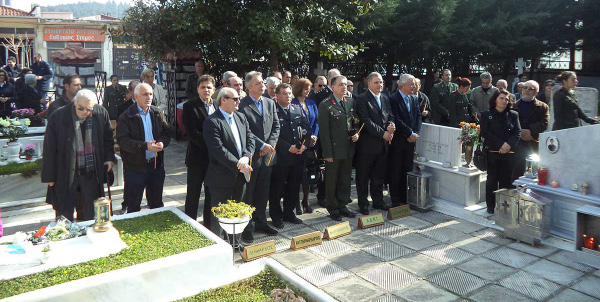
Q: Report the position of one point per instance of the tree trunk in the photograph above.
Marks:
(389, 72)
(274, 61)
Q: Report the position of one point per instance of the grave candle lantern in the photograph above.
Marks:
(531, 166)
(102, 215)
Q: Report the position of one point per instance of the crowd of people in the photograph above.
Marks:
(263, 140)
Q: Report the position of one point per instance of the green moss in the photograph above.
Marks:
(256, 288)
(148, 237)
(27, 169)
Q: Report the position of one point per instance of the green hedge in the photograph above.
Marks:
(27, 169)
(256, 288)
(148, 237)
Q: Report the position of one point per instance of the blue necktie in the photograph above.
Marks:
(407, 103)
(378, 101)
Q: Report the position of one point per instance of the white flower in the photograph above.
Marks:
(27, 122)
(17, 123)
(4, 123)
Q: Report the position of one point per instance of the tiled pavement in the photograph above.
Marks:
(424, 257)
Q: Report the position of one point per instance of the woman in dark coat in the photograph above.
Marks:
(461, 109)
(301, 91)
(8, 95)
(30, 97)
(566, 110)
(501, 131)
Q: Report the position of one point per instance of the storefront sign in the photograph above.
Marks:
(372, 220)
(259, 250)
(74, 34)
(338, 230)
(306, 240)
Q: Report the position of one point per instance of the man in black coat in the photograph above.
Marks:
(129, 96)
(114, 95)
(142, 135)
(230, 145)
(286, 177)
(71, 85)
(195, 111)
(405, 109)
(376, 115)
(78, 144)
(44, 74)
(264, 124)
(12, 69)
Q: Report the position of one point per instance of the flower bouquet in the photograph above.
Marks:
(470, 135)
(231, 214)
(13, 128)
(29, 151)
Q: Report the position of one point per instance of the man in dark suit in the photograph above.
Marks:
(294, 138)
(129, 95)
(195, 111)
(337, 128)
(375, 114)
(71, 85)
(405, 109)
(264, 124)
(142, 135)
(320, 85)
(230, 145)
(78, 152)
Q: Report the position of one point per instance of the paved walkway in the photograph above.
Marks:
(425, 257)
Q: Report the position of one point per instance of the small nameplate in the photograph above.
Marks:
(259, 250)
(338, 230)
(398, 212)
(306, 240)
(372, 220)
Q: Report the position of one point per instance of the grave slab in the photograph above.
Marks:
(361, 239)
(570, 295)
(419, 264)
(474, 245)
(387, 250)
(321, 273)
(292, 259)
(415, 241)
(530, 285)
(540, 250)
(458, 281)
(423, 291)
(554, 272)
(510, 257)
(353, 289)
(356, 261)
(411, 222)
(388, 277)
(589, 285)
(498, 293)
(486, 268)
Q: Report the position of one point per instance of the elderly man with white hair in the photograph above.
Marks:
(503, 84)
(534, 117)
(272, 83)
(78, 152)
(142, 135)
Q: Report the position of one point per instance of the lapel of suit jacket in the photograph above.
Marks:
(241, 131)
(373, 100)
(202, 108)
(255, 108)
(231, 140)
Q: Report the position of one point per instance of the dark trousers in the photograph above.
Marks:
(498, 176)
(195, 179)
(222, 195)
(257, 191)
(338, 175)
(152, 180)
(401, 163)
(285, 182)
(523, 150)
(80, 197)
(321, 184)
(370, 168)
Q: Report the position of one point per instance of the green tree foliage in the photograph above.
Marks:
(244, 31)
(112, 8)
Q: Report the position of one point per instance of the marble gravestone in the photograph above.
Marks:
(587, 98)
(439, 144)
(574, 162)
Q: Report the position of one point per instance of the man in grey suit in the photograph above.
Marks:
(230, 145)
(264, 124)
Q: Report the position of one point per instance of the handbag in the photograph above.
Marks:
(480, 157)
(311, 174)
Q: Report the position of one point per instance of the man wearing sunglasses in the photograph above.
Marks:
(78, 152)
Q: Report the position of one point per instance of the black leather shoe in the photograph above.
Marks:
(306, 207)
(266, 229)
(278, 224)
(247, 236)
(336, 217)
(347, 213)
(364, 211)
(383, 207)
(322, 203)
(294, 220)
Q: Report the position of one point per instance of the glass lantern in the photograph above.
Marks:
(102, 215)
(531, 166)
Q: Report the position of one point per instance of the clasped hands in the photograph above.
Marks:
(388, 135)
(504, 149)
(243, 165)
(293, 149)
(155, 146)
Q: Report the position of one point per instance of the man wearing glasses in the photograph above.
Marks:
(534, 117)
(320, 84)
(142, 135)
(78, 152)
(230, 145)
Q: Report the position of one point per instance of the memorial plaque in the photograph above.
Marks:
(439, 144)
(372, 220)
(398, 212)
(338, 230)
(306, 240)
(259, 250)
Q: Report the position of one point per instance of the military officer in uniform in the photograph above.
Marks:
(286, 177)
(337, 127)
(440, 94)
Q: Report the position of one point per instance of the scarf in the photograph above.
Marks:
(84, 148)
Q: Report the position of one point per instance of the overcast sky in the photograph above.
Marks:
(26, 4)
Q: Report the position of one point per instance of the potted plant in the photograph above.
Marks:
(233, 215)
(13, 128)
(29, 151)
(469, 137)
(27, 113)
